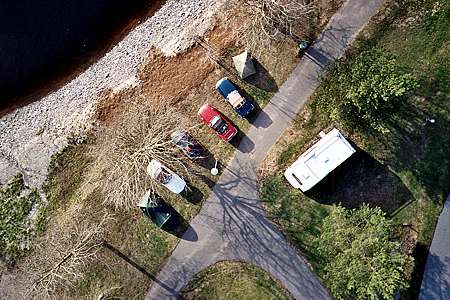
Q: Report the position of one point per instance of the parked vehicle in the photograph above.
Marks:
(165, 176)
(319, 160)
(157, 211)
(217, 121)
(229, 91)
(187, 144)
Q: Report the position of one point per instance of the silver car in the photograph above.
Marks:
(165, 176)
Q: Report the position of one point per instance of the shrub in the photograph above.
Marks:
(15, 205)
(364, 90)
(361, 259)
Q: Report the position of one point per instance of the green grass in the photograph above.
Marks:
(66, 171)
(16, 202)
(130, 232)
(261, 96)
(413, 152)
(234, 280)
(298, 216)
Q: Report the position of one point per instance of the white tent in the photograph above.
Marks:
(319, 160)
(244, 65)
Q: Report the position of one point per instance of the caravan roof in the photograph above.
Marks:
(319, 160)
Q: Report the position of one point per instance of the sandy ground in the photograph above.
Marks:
(30, 135)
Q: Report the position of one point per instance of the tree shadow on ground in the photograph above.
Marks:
(430, 275)
(420, 255)
(419, 146)
(362, 179)
(249, 235)
(262, 78)
(130, 261)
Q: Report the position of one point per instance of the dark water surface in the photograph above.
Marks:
(44, 41)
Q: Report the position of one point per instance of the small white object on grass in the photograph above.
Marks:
(430, 120)
(215, 171)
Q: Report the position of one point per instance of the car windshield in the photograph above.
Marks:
(183, 142)
(164, 176)
(219, 125)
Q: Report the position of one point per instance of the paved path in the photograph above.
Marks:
(232, 224)
(436, 278)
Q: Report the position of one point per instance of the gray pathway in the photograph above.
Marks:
(231, 224)
(436, 278)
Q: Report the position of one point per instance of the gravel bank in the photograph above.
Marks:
(30, 135)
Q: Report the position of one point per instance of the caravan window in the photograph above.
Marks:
(296, 178)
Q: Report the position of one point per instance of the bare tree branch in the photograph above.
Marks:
(128, 148)
(74, 251)
(267, 21)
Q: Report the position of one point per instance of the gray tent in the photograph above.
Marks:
(244, 65)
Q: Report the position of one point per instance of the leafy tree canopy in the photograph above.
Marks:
(368, 87)
(361, 260)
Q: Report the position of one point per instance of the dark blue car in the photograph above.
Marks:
(241, 105)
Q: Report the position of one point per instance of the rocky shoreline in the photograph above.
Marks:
(30, 135)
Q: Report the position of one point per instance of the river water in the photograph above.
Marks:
(42, 41)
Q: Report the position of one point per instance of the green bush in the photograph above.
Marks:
(15, 206)
(361, 259)
(364, 90)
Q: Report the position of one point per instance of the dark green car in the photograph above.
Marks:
(155, 210)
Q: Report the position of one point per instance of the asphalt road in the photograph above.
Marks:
(232, 224)
(436, 277)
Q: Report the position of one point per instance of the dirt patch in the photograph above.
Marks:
(408, 238)
(164, 78)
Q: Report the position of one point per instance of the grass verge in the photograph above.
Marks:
(16, 203)
(234, 280)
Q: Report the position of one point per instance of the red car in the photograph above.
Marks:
(217, 121)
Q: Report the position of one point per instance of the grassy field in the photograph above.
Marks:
(234, 280)
(405, 171)
(16, 204)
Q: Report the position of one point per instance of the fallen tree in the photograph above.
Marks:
(266, 21)
(70, 252)
(129, 146)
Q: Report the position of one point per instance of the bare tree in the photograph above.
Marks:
(69, 253)
(127, 149)
(266, 21)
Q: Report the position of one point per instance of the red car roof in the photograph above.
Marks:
(207, 112)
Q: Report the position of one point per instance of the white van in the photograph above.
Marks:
(319, 160)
